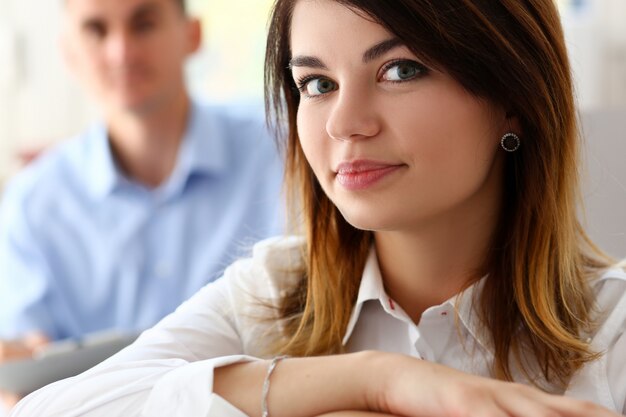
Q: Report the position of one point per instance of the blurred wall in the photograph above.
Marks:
(604, 178)
(596, 38)
(39, 101)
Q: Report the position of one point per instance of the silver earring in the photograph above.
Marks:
(510, 142)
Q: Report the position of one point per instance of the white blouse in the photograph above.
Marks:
(168, 371)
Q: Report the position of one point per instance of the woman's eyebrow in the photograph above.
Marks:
(369, 55)
(307, 61)
(380, 49)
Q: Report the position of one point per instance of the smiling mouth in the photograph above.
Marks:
(363, 175)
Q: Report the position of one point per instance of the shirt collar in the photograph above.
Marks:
(466, 308)
(372, 288)
(101, 173)
(202, 150)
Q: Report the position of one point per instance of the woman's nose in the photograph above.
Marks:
(353, 116)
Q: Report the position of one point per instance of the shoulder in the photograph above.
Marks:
(238, 133)
(609, 288)
(611, 335)
(246, 112)
(610, 302)
(243, 122)
(276, 265)
(603, 381)
(247, 295)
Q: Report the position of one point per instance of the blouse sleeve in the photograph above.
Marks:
(603, 381)
(616, 348)
(616, 372)
(168, 371)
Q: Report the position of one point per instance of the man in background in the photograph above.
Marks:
(118, 226)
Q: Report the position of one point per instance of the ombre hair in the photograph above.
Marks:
(536, 301)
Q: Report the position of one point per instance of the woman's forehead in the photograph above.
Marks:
(330, 24)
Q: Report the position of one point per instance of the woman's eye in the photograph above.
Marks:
(317, 86)
(403, 71)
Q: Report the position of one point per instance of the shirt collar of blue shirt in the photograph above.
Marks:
(202, 152)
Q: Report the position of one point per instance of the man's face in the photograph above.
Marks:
(129, 53)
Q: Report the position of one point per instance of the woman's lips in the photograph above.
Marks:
(359, 175)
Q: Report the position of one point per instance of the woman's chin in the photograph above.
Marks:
(364, 221)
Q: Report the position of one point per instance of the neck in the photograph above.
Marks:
(146, 144)
(429, 265)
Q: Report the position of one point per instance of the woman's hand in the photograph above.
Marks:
(416, 388)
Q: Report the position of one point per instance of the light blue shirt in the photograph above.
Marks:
(84, 249)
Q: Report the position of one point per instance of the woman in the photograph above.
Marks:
(432, 149)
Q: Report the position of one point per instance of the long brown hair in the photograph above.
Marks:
(536, 300)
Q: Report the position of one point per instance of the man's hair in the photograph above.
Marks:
(181, 3)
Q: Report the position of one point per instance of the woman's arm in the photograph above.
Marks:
(386, 383)
(299, 386)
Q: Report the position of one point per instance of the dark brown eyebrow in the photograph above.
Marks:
(307, 61)
(371, 54)
(380, 49)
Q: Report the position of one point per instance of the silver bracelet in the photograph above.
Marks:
(266, 384)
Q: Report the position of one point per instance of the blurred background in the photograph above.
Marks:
(41, 104)
(40, 101)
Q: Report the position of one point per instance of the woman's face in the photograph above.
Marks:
(395, 145)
